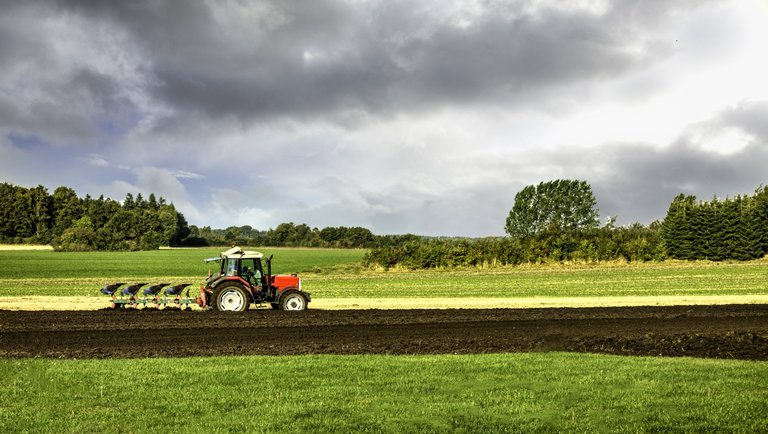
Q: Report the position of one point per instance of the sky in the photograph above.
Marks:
(400, 116)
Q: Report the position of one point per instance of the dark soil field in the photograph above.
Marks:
(729, 332)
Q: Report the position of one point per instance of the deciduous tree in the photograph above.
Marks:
(558, 205)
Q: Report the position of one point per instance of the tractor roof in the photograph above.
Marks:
(237, 252)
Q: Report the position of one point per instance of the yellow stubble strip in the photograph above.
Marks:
(94, 303)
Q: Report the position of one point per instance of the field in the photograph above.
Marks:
(533, 392)
(335, 274)
(383, 370)
(83, 273)
(730, 331)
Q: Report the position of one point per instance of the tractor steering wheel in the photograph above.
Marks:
(247, 274)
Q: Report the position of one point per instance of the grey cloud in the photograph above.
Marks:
(506, 58)
(101, 89)
(51, 86)
(476, 211)
(751, 117)
(312, 60)
(642, 187)
(468, 211)
(638, 181)
(77, 109)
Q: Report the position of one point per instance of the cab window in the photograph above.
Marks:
(230, 268)
(250, 264)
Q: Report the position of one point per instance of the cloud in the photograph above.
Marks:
(183, 174)
(163, 183)
(751, 117)
(637, 181)
(71, 81)
(402, 116)
(331, 59)
(97, 160)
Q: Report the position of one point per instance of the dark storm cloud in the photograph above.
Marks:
(48, 88)
(312, 59)
(102, 90)
(644, 181)
(78, 108)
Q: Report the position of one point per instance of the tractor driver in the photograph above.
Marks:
(250, 277)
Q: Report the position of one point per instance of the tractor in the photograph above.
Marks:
(242, 280)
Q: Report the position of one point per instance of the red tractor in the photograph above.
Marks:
(242, 280)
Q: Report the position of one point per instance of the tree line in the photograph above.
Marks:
(68, 222)
(284, 235)
(551, 221)
(557, 221)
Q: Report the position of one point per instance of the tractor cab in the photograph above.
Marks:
(239, 263)
(248, 266)
(242, 280)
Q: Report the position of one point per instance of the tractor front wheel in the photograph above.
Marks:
(230, 297)
(293, 301)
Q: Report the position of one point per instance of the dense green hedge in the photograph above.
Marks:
(634, 243)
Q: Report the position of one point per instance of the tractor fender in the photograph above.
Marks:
(286, 290)
(289, 290)
(237, 279)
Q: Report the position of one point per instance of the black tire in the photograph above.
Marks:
(230, 297)
(293, 301)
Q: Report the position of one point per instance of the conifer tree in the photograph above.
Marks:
(760, 218)
(748, 236)
(728, 224)
(676, 228)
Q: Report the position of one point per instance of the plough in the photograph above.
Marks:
(128, 296)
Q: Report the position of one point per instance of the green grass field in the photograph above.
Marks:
(83, 273)
(568, 281)
(330, 273)
(173, 262)
(474, 393)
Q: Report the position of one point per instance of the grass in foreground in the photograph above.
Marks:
(479, 393)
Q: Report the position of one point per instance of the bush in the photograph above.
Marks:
(634, 243)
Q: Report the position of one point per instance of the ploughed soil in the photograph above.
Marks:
(728, 331)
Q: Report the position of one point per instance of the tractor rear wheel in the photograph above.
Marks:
(293, 301)
(230, 297)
